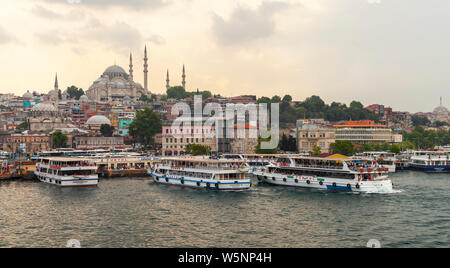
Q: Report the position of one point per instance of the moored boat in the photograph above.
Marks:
(433, 162)
(202, 173)
(67, 172)
(328, 174)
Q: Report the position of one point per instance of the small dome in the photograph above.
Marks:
(127, 98)
(84, 98)
(27, 95)
(98, 120)
(44, 107)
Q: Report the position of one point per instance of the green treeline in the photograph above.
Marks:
(315, 107)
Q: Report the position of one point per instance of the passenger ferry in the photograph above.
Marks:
(385, 159)
(202, 173)
(252, 161)
(433, 162)
(328, 174)
(67, 172)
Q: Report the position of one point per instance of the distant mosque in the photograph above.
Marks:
(440, 113)
(115, 84)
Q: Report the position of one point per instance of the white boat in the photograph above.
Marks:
(385, 159)
(252, 161)
(202, 173)
(67, 172)
(430, 161)
(328, 174)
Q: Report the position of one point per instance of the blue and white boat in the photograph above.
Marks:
(344, 175)
(202, 173)
(433, 162)
(67, 172)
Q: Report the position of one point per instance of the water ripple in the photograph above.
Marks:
(140, 213)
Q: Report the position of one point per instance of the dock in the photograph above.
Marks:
(124, 167)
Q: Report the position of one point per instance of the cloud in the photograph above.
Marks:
(245, 24)
(54, 37)
(6, 37)
(43, 12)
(118, 36)
(131, 4)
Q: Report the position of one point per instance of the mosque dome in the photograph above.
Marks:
(27, 95)
(98, 120)
(115, 71)
(84, 98)
(44, 107)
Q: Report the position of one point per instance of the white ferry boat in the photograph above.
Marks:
(67, 172)
(252, 161)
(328, 174)
(428, 161)
(385, 159)
(202, 173)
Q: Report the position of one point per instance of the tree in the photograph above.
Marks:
(424, 139)
(177, 92)
(145, 98)
(418, 120)
(287, 98)
(264, 100)
(146, 125)
(197, 149)
(258, 149)
(74, 92)
(343, 147)
(107, 130)
(316, 151)
(23, 126)
(276, 99)
(59, 140)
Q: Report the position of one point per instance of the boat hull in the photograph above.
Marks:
(205, 184)
(430, 169)
(67, 182)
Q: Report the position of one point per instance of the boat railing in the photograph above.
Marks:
(316, 166)
(218, 168)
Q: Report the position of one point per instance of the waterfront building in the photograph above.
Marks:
(94, 142)
(175, 140)
(246, 144)
(28, 143)
(311, 135)
(366, 131)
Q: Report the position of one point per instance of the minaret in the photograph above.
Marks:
(184, 78)
(56, 92)
(56, 82)
(167, 80)
(145, 70)
(131, 67)
(441, 101)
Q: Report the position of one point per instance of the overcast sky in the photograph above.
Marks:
(395, 52)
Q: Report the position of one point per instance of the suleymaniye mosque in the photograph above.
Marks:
(115, 84)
